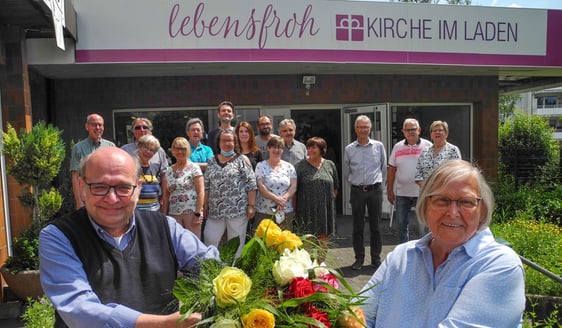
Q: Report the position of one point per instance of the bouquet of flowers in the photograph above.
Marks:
(274, 283)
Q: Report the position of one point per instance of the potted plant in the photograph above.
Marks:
(33, 159)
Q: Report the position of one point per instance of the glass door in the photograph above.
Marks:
(378, 113)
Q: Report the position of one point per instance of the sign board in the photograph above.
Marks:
(314, 30)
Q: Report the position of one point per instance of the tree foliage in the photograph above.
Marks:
(506, 106)
(527, 148)
(34, 159)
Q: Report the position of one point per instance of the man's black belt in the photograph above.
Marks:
(366, 188)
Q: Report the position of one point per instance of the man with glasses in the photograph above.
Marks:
(142, 126)
(402, 169)
(95, 127)
(107, 265)
(264, 134)
(365, 166)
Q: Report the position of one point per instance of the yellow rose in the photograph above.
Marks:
(288, 240)
(258, 318)
(270, 230)
(231, 286)
(347, 320)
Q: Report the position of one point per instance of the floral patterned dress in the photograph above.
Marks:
(183, 196)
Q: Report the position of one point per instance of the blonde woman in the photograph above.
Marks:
(149, 198)
(183, 189)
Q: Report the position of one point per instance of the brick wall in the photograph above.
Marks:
(74, 99)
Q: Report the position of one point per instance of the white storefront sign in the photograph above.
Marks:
(317, 30)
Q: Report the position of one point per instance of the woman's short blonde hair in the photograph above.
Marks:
(149, 140)
(449, 172)
(181, 142)
(442, 124)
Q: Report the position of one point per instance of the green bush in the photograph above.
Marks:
(539, 242)
(531, 320)
(527, 148)
(541, 201)
(33, 159)
(39, 314)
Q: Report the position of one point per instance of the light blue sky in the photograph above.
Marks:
(543, 4)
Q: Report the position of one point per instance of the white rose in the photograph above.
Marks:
(291, 265)
(302, 256)
(321, 269)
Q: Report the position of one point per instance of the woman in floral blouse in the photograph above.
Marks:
(230, 192)
(183, 189)
(440, 152)
(277, 183)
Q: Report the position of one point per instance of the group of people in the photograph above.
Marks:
(112, 263)
(222, 189)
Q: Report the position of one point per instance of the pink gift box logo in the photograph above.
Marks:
(349, 28)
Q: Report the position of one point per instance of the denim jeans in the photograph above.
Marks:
(403, 206)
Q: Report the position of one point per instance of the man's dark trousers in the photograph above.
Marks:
(371, 199)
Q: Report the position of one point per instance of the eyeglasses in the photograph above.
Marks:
(410, 130)
(152, 151)
(141, 127)
(264, 124)
(102, 189)
(438, 130)
(443, 203)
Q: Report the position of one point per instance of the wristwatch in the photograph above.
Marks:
(197, 214)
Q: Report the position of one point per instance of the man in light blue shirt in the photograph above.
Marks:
(365, 166)
(107, 265)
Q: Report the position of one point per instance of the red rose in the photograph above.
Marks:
(300, 287)
(314, 313)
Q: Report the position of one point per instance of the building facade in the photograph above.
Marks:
(320, 62)
(546, 103)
